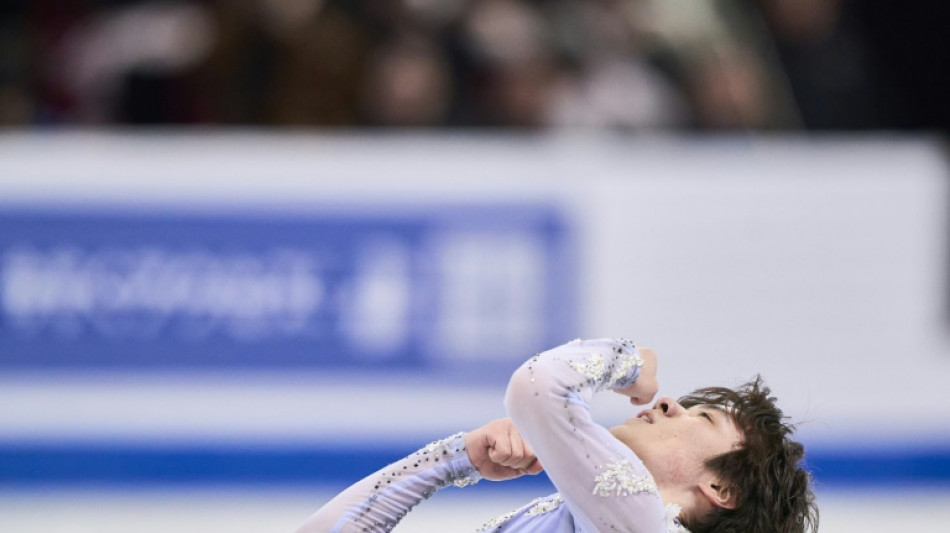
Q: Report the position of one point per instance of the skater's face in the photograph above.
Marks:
(674, 442)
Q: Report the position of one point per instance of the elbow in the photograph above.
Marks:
(527, 389)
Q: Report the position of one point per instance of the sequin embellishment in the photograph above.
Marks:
(465, 481)
(672, 519)
(621, 479)
(433, 446)
(460, 479)
(495, 523)
(627, 363)
(542, 506)
(594, 368)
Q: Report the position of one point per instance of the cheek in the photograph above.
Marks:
(698, 446)
(680, 464)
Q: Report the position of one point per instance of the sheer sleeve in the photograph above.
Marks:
(378, 502)
(603, 483)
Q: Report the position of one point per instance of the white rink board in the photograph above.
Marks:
(283, 511)
(821, 264)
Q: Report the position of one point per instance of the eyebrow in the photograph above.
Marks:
(717, 415)
(723, 415)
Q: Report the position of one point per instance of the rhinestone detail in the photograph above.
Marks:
(620, 479)
(495, 523)
(465, 481)
(672, 519)
(542, 506)
(626, 363)
(594, 368)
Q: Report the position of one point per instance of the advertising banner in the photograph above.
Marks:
(434, 288)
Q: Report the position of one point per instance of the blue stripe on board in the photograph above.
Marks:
(94, 464)
(870, 468)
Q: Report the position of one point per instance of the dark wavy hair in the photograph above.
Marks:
(774, 491)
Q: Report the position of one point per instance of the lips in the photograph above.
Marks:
(646, 416)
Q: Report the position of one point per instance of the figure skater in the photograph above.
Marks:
(717, 459)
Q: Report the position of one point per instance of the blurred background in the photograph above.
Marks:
(251, 251)
(627, 65)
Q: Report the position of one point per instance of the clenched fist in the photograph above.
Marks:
(498, 452)
(643, 391)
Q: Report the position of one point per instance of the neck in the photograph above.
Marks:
(690, 499)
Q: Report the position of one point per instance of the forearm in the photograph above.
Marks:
(548, 396)
(602, 480)
(378, 502)
(570, 375)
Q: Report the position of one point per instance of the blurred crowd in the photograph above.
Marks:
(631, 65)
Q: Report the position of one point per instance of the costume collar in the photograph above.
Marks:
(672, 519)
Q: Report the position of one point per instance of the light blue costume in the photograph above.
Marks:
(602, 485)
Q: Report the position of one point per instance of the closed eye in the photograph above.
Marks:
(707, 415)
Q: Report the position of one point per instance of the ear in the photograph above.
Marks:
(720, 494)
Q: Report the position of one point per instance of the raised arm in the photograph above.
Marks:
(603, 483)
